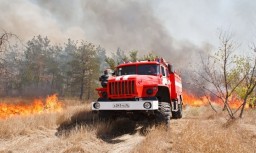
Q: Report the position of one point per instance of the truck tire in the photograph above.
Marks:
(177, 114)
(164, 113)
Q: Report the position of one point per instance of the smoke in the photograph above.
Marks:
(111, 24)
(26, 19)
(125, 24)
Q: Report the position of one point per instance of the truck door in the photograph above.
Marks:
(164, 76)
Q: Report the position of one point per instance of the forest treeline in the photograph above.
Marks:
(71, 69)
(39, 68)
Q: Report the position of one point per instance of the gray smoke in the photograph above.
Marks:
(128, 24)
(112, 24)
(125, 24)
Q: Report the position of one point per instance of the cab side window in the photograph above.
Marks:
(163, 71)
(167, 72)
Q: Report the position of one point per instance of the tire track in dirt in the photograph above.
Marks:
(126, 143)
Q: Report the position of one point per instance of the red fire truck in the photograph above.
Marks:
(140, 89)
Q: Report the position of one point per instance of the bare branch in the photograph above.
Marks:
(211, 104)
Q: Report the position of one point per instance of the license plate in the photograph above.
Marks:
(121, 105)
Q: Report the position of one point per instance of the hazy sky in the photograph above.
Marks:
(200, 21)
(159, 25)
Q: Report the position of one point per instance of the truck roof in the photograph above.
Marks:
(138, 63)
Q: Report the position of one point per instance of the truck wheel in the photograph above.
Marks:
(164, 113)
(177, 114)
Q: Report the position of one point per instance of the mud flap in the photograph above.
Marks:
(175, 107)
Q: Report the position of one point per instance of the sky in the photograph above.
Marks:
(179, 29)
(201, 21)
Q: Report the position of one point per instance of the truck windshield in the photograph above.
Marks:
(126, 70)
(147, 69)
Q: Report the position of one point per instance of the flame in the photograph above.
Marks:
(235, 102)
(36, 107)
(192, 100)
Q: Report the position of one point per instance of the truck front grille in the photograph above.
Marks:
(118, 88)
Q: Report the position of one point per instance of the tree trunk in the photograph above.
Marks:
(82, 86)
(210, 103)
(224, 108)
(52, 83)
(88, 92)
(89, 87)
(246, 96)
(242, 110)
(226, 105)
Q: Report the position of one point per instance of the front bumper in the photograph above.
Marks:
(125, 105)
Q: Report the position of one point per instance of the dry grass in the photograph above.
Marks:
(250, 116)
(203, 131)
(25, 125)
(21, 125)
(212, 137)
(77, 129)
(158, 140)
(69, 131)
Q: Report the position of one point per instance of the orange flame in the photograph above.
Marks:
(192, 100)
(38, 106)
(189, 99)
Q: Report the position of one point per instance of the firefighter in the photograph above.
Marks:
(104, 78)
(152, 70)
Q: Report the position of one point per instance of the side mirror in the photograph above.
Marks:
(171, 68)
(114, 73)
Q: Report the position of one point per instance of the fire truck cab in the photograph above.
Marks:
(139, 89)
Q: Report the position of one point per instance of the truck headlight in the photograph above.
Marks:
(96, 105)
(149, 91)
(105, 94)
(147, 105)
